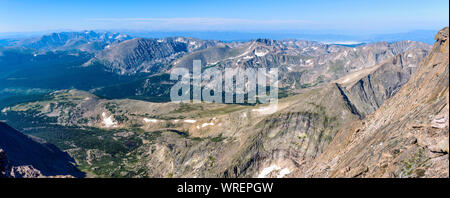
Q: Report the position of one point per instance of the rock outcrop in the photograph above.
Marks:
(367, 89)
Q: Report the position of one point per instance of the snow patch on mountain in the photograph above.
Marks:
(109, 122)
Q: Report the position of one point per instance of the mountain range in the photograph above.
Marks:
(425, 36)
(104, 63)
(371, 110)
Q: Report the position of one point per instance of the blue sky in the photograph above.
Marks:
(335, 16)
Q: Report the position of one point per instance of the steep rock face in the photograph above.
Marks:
(366, 90)
(406, 137)
(23, 156)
